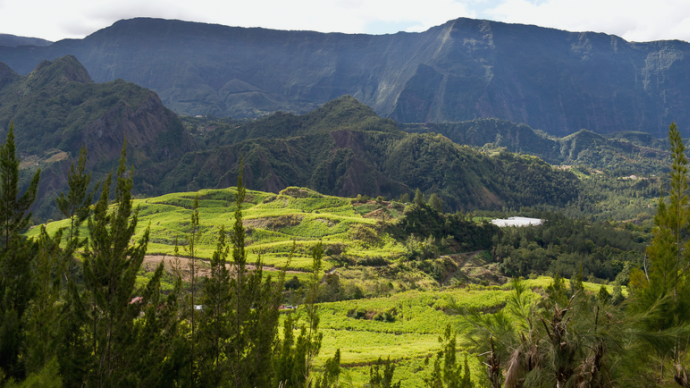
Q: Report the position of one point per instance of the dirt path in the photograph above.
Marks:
(203, 265)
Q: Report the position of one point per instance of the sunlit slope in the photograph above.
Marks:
(418, 319)
(272, 222)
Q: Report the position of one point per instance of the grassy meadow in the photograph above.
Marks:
(272, 222)
(412, 337)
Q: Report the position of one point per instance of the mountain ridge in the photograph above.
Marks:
(57, 109)
(465, 69)
(10, 40)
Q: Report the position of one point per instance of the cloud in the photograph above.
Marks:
(636, 20)
(633, 20)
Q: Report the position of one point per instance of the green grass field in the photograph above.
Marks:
(272, 221)
(420, 318)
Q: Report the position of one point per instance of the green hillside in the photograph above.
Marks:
(420, 318)
(345, 149)
(56, 109)
(626, 152)
(341, 149)
(273, 222)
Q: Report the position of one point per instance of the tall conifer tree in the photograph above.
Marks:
(111, 263)
(213, 326)
(16, 255)
(254, 315)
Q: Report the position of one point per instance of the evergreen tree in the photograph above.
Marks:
(13, 210)
(111, 263)
(42, 314)
(419, 198)
(76, 204)
(72, 349)
(253, 319)
(312, 339)
(331, 374)
(192, 239)
(16, 256)
(213, 325)
(162, 350)
(447, 372)
(289, 361)
(377, 380)
(294, 360)
(665, 290)
(436, 203)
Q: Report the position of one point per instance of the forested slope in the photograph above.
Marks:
(345, 149)
(628, 151)
(57, 108)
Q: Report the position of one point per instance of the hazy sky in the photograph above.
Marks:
(634, 20)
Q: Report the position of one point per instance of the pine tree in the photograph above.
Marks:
(213, 329)
(313, 337)
(76, 204)
(16, 256)
(253, 319)
(162, 350)
(288, 363)
(41, 317)
(419, 198)
(72, 349)
(192, 239)
(377, 380)
(331, 374)
(436, 203)
(13, 210)
(111, 263)
(666, 289)
(447, 372)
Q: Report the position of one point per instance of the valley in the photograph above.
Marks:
(305, 209)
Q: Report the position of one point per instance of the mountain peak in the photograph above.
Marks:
(347, 112)
(62, 70)
(7, 75)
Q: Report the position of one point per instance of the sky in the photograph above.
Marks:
(634, 20)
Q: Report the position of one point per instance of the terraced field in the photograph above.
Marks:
(272, 221)
(419, 318)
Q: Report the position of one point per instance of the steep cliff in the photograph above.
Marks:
(466, 69)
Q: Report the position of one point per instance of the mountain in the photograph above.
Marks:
(345, 149)
(465, 69)
(631, 152)
(14, 41)
(57, 108)
(342, 148)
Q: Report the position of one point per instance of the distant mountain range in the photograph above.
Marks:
(342, 148)
(636, 152)
(556, 81)
(14, 41)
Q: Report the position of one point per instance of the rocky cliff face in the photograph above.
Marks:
(466, 69)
